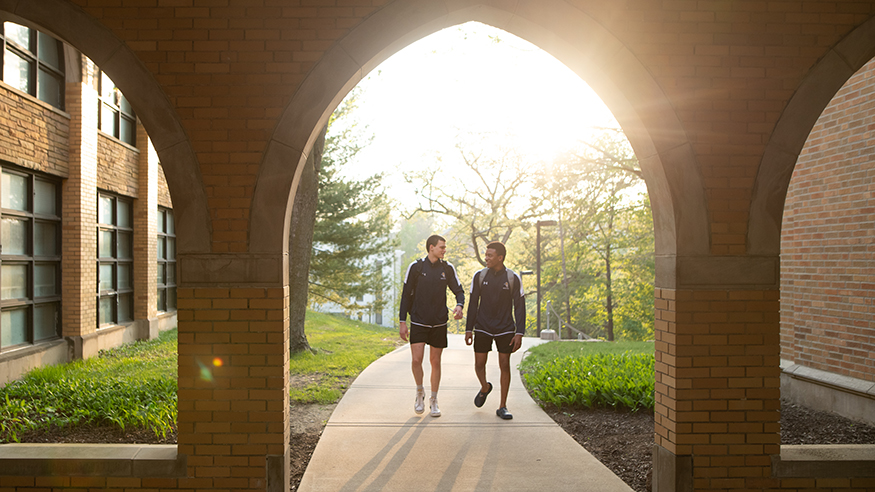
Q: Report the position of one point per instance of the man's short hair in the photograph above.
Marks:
(433, 240)
(499, 248)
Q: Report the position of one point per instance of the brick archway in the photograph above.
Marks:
(578, 40)
(779, 158)
(113, 56)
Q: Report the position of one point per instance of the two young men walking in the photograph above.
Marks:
(496, 314)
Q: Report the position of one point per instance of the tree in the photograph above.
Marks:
(301, 245)
(591, 190)
(348, 230)
(488, 199)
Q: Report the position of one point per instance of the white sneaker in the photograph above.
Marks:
(419, 403)
(435, 411)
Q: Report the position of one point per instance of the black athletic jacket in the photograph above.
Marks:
(495, 305)
(425, 292)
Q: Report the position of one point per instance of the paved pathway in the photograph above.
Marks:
(375, 442)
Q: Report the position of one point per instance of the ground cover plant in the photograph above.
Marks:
(343, 349)
(131, 386)
(591, 374)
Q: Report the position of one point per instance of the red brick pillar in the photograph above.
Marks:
(79, 209)
(233, 387)
(717, 386)
(145, 238)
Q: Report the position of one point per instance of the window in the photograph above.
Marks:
(166, 260)
(115, 260)
(117, 118)
(30, 258)
(33, 62)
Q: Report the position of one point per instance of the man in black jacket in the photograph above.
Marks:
(496, 313)
(425, 298)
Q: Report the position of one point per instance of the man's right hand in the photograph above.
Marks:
(469, 337)
(402, 331)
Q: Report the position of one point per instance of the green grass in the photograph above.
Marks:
(134, 385)
(344, 349)
(591, 374)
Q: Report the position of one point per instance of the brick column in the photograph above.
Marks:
(233, 387)
(717, 388)
(145, 237)
(79, 210)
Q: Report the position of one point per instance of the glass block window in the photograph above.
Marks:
(115, 260)
(166, 260)
(116, 116)
(33, 62)
(30, 258)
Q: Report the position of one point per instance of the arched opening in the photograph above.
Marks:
(680, 212)
(826, 250)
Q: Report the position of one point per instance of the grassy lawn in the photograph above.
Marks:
(344, 348)
(591, 374)
(135, 385)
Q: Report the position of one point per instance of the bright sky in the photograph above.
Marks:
(469, 80)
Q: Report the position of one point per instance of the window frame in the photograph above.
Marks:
(116, 292)
(114, 104)
(36, 37)
(166, 235)
(31, 302)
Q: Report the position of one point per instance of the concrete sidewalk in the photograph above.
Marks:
(374, 441)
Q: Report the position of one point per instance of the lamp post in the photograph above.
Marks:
(538, 226)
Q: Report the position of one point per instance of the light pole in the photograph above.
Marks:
(538, 225)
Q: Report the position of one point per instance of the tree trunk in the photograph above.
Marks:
(301, 246)
(609, 301)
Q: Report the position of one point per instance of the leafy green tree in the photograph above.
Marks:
(351, 229)
(608, 243)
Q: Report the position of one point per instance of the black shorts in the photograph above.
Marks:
(436, 337)
(483, 342)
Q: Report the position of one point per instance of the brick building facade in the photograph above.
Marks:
(717, 99)
(827, 267)
(76, 279)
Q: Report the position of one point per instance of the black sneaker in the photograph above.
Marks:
(503, 413)
(480, 399)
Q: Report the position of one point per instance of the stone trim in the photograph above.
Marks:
(825, 461)
(92, 460)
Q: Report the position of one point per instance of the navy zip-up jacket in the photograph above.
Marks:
(497, 308)
(425, 292)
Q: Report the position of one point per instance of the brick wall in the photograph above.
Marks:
(163, 190)
(828, 239)
(233, 399)
(35, 135)
(718, 383)
(117, 166)
(79, 209)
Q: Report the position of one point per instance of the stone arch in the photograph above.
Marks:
(572, 36)
(77, 28)
(812, 96)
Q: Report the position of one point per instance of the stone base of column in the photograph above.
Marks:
(671, 473)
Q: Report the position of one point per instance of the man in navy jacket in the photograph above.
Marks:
(496, 313)
(425, 298)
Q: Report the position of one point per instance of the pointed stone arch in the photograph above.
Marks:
(812, 96)
(154, 109)
(571, 35)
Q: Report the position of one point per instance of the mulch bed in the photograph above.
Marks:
(623, 440)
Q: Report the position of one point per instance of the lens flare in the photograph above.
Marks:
(218, 362)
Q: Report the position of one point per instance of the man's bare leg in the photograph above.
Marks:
(504, 365)
(434, 356)
(480, 369)
(417, 350)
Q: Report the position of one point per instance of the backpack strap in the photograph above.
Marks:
(509, 277)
